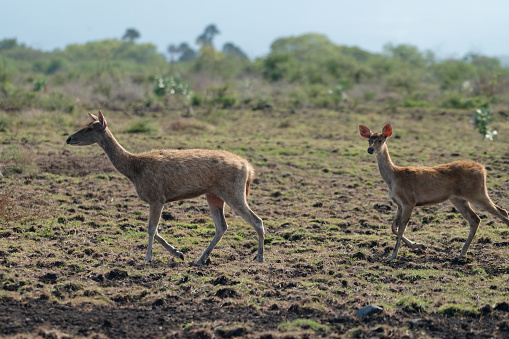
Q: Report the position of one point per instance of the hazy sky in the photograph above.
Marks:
(450, 28)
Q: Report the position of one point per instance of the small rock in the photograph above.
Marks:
(369, 310)
(414, 322)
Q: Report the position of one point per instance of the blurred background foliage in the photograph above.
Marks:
(299, 72)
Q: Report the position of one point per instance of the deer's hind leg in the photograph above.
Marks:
(473, 220)
(216, 205)
(484, 202)
(237, 201)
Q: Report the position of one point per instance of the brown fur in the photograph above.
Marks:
(162, 176)
(460, 182)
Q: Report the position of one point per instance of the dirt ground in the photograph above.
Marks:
(49, 319)
(325, 259)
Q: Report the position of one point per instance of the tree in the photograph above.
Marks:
(231, 49)
(407, 53)
(205, 39)
(173, 50)
(131, 34)
(8, 44)
(186, 52)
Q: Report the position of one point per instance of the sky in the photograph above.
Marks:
(449, 28)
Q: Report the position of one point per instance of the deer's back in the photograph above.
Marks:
(429, 185)
(183, 174)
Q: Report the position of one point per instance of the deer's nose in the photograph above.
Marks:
(68, 140)
(371, 150)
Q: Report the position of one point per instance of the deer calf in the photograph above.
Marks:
(460, 182)
(163, 176)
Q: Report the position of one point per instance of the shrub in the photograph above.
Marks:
(40, 84)
(482, 119)
(196, 99)
(4, 122)
(221, 96)
(456, 100)
(140, 126)
(171, 85)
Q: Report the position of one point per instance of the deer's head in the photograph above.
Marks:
(376, 140)
(92, 133)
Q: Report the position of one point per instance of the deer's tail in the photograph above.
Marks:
(249, 178)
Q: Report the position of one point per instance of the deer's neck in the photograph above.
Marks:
(121, 159)
(386, 166)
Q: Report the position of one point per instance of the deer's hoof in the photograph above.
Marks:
(202, 262)
(180, 255)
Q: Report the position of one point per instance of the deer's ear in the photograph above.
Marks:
(102, 120)
(387, 131)
(365, 132)
(93, 117)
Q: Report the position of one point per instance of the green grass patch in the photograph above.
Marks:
(303, 324)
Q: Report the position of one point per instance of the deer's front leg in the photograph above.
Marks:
(395, 226)
(406, 212)
(155, 215)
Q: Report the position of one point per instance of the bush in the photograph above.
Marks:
(4, 122)
(171, 85)
(196, 99)
(482, 119)
(457, 100)
(140, 126)
(221, 96)
(40, 84)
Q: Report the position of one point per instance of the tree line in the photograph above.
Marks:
(309, 66)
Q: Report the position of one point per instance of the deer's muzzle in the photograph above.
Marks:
(371, 150)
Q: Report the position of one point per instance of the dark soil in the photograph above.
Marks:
(43, 317)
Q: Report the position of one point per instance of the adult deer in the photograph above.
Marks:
(460, 182)
(162, 176)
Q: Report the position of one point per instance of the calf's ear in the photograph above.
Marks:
(364, 131)
(387, 131)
